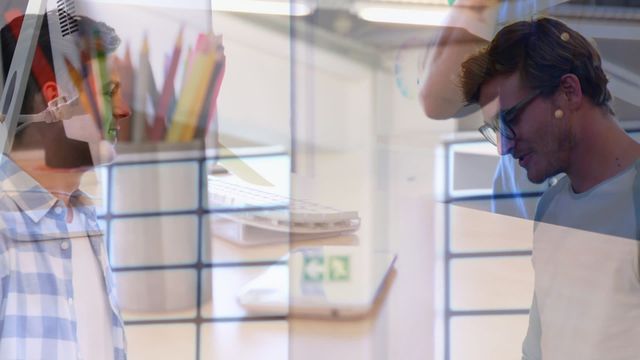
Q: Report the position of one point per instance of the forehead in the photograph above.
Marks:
(506, 88)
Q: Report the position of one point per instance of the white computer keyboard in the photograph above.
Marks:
(249, 214)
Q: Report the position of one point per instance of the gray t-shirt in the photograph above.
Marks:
(587, 287)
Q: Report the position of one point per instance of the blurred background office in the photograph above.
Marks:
(320, 99)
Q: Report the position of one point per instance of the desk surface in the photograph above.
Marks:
(392, 187)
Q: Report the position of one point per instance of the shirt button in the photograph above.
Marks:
(70, 301)
(64, 245)
(58, 210)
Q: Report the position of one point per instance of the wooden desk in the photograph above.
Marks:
(392, 187)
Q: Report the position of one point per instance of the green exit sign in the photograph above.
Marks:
(318, 268)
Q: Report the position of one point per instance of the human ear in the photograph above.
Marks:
(570, 92)
(50, 91)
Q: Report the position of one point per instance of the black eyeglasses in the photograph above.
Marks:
(500, 123)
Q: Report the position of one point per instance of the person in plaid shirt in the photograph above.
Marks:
(57, 299)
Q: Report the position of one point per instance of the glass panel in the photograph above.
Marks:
(491, 283)
(487, 337)
(477, 231)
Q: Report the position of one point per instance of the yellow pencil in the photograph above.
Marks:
(201, 95)
(76, 78)
(97, 85)
(190, 96)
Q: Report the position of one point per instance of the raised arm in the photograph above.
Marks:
(440, 95)
(468, 28)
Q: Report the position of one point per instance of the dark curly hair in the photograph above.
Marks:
(542, 51)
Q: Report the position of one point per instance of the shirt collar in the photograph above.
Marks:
(32, 199)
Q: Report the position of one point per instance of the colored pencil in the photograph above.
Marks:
(76, 79)
(222, 63)
(102, 94)
(193, 90)
(141, 96)
(189, 131)
(159, 127)
(208, 110)
(191, 99)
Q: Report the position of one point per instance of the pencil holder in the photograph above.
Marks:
(155, 220)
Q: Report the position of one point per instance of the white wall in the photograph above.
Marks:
(339, 101)
(333, 94)
(254, 98)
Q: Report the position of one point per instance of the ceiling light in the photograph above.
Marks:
(429, 15)
(269, 7)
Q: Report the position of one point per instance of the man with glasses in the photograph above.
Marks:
(546, 104)
(469, 27)
(523, 69)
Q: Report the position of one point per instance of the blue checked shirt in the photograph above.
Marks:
(37, 315)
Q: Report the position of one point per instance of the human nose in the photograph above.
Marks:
(121, 109)
(506, 145)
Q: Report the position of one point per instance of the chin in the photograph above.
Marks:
(536, 176)
(536, 179)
